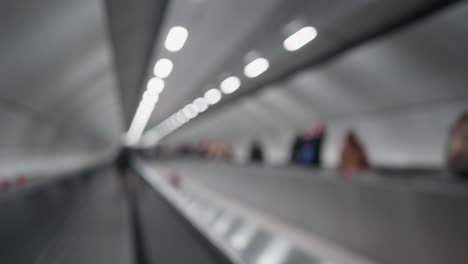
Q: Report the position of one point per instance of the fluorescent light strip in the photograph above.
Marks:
(145, 108)
(190, 111)
(256, 67)
(163, 68)
(149, 97)
(230, 85)
(155, 85)
(213, 96)
(201, 104)
(300, 38)
(164, 128)
(181, 118)
(176, 39)
(139, 122)
(174, 122)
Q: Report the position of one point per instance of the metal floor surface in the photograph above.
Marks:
(81, 221)
(168, 237)
(388, 220)
(90, 221)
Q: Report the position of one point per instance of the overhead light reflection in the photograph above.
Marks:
(223, 224)
(241, 239)
(275, 253)
(256, 67)
(300, 38)
(208, 215)
(176, 38)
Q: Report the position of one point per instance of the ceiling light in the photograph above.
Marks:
(256, 67)
(187, 112)
(155, 85)
(171, 127)
(176, 38)
(201, 104)
(152, 137)
(300, 38)
(230, 85)
(190, 111)
(213, 96)
(163, 68)
(181, 117)
(145, 108)
(149, 98)
(142, 115)
(174, 120)
(193, 107)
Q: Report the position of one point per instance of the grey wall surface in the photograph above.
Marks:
(58, 105)
(401, 93)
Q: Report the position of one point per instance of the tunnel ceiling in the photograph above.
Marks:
(133, 28)
(72, 71)
(224, 34)
(401, 92)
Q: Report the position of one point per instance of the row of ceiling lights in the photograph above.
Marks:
(229, 85)
(175, 40)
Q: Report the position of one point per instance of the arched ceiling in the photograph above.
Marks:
(401, 92)
(224, 34)
(73, 71)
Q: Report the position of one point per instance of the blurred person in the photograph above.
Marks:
(123, 165)
(5, 185)
(123, 160)
(256, 153)
(353, 156)
(215, 150)
(222, 152)
(457, 158)
(208, 149)
(205, 148)
(21, 180)
(307, 147)
(185, 150)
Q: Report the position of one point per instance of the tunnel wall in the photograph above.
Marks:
(58, 103)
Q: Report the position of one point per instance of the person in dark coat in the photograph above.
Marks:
(457, 158)
(353, 157)
(307, 147)
(256, 153)
(123, 160)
